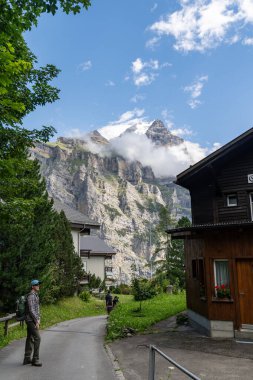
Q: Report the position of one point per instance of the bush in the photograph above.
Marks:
(121, 289)
(85, 296)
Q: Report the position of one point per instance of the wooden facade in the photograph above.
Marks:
(219, 244)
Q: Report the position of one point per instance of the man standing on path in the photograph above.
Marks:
(32, 318)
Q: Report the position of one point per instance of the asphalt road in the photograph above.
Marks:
(72, 350)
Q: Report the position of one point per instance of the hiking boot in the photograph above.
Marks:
(27, 361)
(36, 363)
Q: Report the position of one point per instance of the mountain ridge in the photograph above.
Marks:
(124, 196)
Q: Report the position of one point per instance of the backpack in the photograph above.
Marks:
(21, 308)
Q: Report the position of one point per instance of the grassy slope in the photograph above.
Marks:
(156, 309)
(126, 314)
(64, 310)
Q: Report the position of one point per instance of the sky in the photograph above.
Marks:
(188, 63)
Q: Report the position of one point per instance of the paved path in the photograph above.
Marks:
(209, 359)
(72, 350)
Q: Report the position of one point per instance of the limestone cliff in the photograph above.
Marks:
(123, 196)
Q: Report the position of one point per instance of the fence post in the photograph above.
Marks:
(151, 370)
(6, 327)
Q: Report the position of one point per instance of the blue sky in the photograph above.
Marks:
(188, 63)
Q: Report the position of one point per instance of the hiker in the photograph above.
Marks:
(115, 301)
(32, 318)
(108, 302)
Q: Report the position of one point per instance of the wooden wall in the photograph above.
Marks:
(209, 189)
(231, 244)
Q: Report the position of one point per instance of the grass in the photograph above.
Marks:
(64, 310)
(128, 316)
(125, 315)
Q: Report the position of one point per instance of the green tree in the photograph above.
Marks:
(23, 86)
(36, 242)
(94, 281)
(142, 290)
(174, 264)
(28, 225)
(68, 263)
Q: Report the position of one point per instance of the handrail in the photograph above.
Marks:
(151, 373)
(6, 320)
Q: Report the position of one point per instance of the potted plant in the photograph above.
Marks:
(222, 291)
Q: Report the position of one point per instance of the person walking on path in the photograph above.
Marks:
(32, 318)
(108, 302)
(115, 301)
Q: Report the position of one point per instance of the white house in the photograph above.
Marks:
(96, 255)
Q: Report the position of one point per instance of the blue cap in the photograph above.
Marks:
(35, 282)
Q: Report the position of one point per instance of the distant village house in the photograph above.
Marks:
(96, 255)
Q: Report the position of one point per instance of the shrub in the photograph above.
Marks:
(85, 296)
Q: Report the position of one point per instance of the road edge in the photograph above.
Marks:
(115, 363)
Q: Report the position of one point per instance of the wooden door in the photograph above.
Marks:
(245, 290)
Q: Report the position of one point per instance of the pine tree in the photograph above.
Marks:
(174, 264)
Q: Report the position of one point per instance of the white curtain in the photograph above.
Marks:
(222, 272)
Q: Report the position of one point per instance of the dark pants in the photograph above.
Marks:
(32, 343)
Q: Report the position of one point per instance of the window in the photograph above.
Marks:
(198, 273)
(84, 262)
(221, 278)
(251, 204)
(232, 200)
(194, 268)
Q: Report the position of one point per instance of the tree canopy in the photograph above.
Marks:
(35, 241)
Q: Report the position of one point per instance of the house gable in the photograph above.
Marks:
(219, 185)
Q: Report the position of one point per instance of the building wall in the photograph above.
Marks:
(210, 189)
(231, 244)
(75, 237)
(96, 265)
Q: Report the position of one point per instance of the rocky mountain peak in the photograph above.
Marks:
(160, 135)
(97, 138)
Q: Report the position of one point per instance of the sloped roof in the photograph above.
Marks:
(95, 245)
(74, 216)
(215, 156)
(211, 226)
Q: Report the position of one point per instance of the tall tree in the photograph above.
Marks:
(27, 223)
(174, 263)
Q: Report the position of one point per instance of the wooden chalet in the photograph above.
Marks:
(219, 244)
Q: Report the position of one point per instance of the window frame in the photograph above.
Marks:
(228, 196)
(227, 284)
(84, 263)
(251, 205)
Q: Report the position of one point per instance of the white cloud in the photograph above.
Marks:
(110, 83)
(164, 161)
(195, 91)
(182, 132)
(144, 73)
(85, 66)
(135, 145)
(137, 98)
(248, 41)
(154, 7)
(204, 24)
(137, 66)
(127, 120)
(153, 42)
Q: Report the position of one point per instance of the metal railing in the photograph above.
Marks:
(151, 372)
